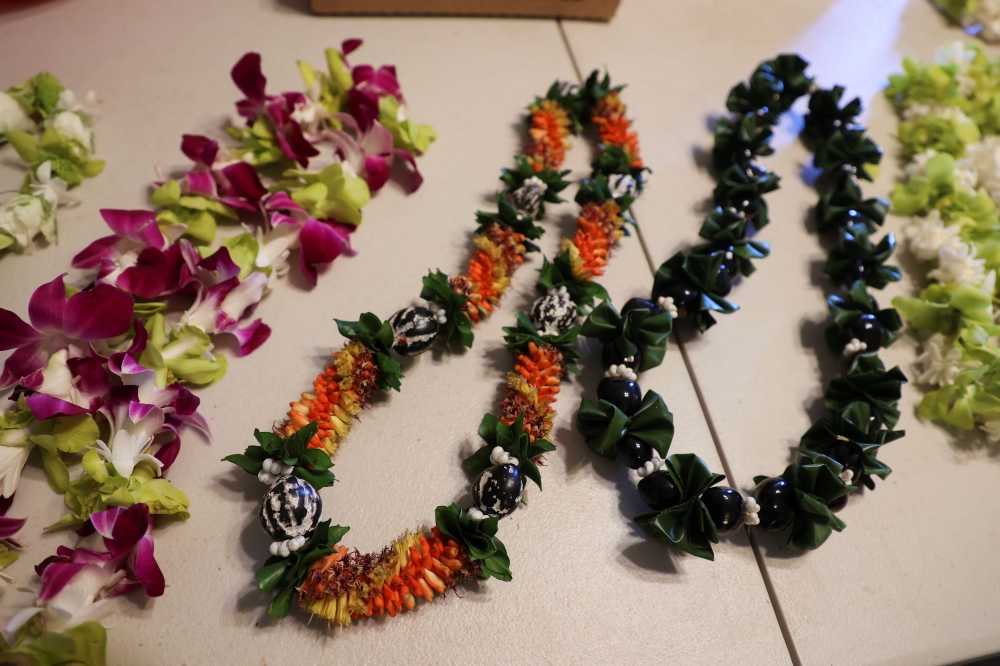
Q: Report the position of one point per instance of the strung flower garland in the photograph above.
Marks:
(976, 17)
(341, 585)
(52, 133)
(104, 367)
(688, 509)
(951, 192)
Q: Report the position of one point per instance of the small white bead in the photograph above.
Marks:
(286, 469)
(498, 456)
(847, 476)
(475, 514)
(296, 543)
(283, 549)
(854, 346)
(265, 477)
(274, 547)
(276, 467)
(511, 460)
(267, 463)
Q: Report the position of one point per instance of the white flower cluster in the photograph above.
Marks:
(941, 362)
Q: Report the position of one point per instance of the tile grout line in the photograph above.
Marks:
(786, 633)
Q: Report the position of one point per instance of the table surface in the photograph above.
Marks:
(912, 580)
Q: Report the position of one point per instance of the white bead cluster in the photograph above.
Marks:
(271, 470)
(750, 511)
(649, 467)
(621, 372)
(667, 303)
(559, 291)
(283, 548)
(847, 476)
(854, 346)
(500, 457)
(475, 514)
(438, 311)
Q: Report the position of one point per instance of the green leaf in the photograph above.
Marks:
(95, 466)
(244, 462)
(602, 425)
(167, 194)
(56, 470)
(282, 604)
(457, 330)
(377, 336)
(269, 576)
(25, 144)
(73, 434)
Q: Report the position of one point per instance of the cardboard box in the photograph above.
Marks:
(600, 10)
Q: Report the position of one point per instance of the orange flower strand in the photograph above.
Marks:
(500, 252)
(549, 132)
(614, 128)
(599, 227)
(532, 388)
(346, 585)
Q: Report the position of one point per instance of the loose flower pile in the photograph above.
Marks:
(102, 370)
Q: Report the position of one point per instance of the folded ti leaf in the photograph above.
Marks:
(513, 439)
(554, 180)
(857, 249)
(377, 336)
(506, 216)
(848, 152)
(851, 446)
(602, 424)
(636, 331)
(826, 115)
(846, 310)
(867, 381)
(313, 465)
(458, 329)
(700, 272)
(517, 338)
(725, 228)
(833, 207)
(738, 138)
(688, 525)
(817, 483)
(736, 185)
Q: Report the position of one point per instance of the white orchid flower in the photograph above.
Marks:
(275, 246)
(24, 217)
(12, 460)
(942, 362)
(59, 382)
(925, 236)
(77, 602)
(133, 426)
(70, 125)
(12, 115)
(53, 190)
(959, 265)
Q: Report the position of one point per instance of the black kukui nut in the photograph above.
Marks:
(849, 218)
(748, 207)
(622, 393)
(497, 490)
(610, 355)
(290, 508)
(685, 297)
(856, 271)
(731, 264)
(659, 491)
(641, 304)
(725, 506)
(838, 504)
(869, 330)
(776, 498)
(414, 330)
(750, 168)
(633, 452)
(723, 283)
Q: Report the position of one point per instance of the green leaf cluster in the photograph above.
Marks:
(772, 88)
(817, 483)
(726, 231)
(737, 185)
(639, 332)
(826, 114)
(517, 338)
(407, 135)
(285, 574)
(507, 217)
(699, 272)
(184, 354)
(377, 336)
(846, 309)
(514, 440)
(738, 137)
(559, 273)
(867, 383)
(71, 160)
(835, 204)
(603, 424)
(198, 215)
(457, 330)
(688, 525)
(856, 245)
(479, 539)
(849, 444)
(330, 194)
(83, 645)
(312, 465)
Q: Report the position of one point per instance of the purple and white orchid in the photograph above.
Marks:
(72, 593)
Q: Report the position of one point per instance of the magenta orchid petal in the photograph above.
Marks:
(103, 312)
(102, 248)
(26, 361)
(129, 527)
(376, 172)
(46, 407)
(251, 336)
(15, 332)
(63, 555)
(199, 149)
(47, 306)
(136, 225)
(10, 526)
(221, 263)
(5, 504)
(104, 521)
(243, 183)
(417, 179)
(249, 79)
(156, 273)
(91, 379)
(281, 201)
(167, 453)
(363, 105)
(320, 243)
(200, 182)
(55, 577)
(377, 141)
(195, 420)
(349, 121)
(146, 417)
(350, 45)
(147, 571)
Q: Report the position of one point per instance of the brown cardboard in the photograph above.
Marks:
(601, 10)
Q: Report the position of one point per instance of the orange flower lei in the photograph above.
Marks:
(346, 584)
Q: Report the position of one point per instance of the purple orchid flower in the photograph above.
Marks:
(372, 155)
(59, 323)
(319, 242)
(278, 109)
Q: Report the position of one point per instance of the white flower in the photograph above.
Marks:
(475, 514)
(133, 428)
(275, 246)
(12, 115)
(925, 236)
(621, 372)
(955, 54)
(70, 125)
(311, 114)
(650, 466)
(78, 602)
(847, 475)
(58, 381)
(958, 265)
(67, 102)
(24, 217)
(992, 430)
(12, 459)
(53, 190)
(942, 362)
(984, 156)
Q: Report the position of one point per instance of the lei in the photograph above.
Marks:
(948, 132)
(329, 580)
(103, 370)
(51, 132)
(687, 508)
(976, 17)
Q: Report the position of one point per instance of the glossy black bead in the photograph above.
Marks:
(659, 491)
(856, 271)
(622, 393)
(686, 298)
(844, 453)
(849, 218)
(868, 330)
(750, 168)
(748, 207)
(731, 263)
(641, 304)
(290, 508)
(611, 356)
(414, 330)
(633, 452)
(497, 490)
(723, 284)
(838, 504)
(776, 498)
(725, 506)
